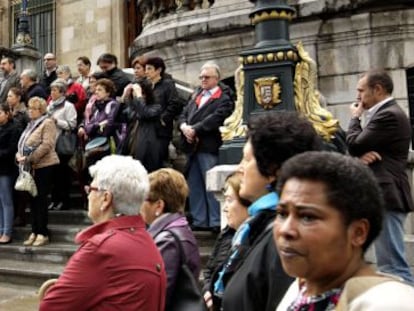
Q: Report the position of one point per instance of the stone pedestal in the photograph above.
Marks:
(28, 57)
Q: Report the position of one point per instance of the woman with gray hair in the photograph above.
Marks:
(75, 93)
(63, 113)
(109, 271)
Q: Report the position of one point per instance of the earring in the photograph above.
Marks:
(269, 188)
(157, 214)
(101, 209)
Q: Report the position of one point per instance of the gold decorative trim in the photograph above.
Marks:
(233, 126)
(274, 14)
(291, 55)
(267, 92)
(308, 98)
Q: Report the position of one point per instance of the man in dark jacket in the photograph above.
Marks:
(49, 74)
(383, 144)
(10, 77)
(28, 81)
(108, 64)
(199, 124)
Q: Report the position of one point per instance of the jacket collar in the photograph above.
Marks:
(166, 221)
(116, 223)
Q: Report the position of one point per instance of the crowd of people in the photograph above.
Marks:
(299, 219)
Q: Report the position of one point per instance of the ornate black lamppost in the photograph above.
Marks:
(266, 74)
(23, 37)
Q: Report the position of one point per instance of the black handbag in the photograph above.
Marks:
(187, 295)
(66, 143)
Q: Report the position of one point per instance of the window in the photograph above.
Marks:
(42, 24)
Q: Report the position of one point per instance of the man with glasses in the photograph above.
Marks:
(10, 77)
(199, 123)
(49, 74)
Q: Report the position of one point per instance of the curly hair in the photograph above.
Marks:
(108, 85)
(278, 135)
(350, 186)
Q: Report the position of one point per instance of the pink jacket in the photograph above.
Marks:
(117, 267)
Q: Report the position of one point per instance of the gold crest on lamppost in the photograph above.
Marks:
(267, 91)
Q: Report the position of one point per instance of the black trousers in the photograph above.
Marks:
(43, 178)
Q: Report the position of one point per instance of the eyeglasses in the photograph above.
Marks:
(204, 77)
(89, 189)
(47, 59)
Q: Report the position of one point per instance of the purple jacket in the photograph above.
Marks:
(169, 248)
(103, 111)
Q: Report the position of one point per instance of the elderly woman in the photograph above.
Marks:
(36, 151)
(329, 213)
(18, 108)
(75, 92)
(9, 136)
(102, 120)
(143, 115)
(64, 114)
(163, 211)
(117, 265)
(252, 277)
(235, 209)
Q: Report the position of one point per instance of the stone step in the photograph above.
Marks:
(18, 297)
(58, 253)
(58, 232)
(69, 217)
(28, 273)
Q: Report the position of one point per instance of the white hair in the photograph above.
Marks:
(125, 178)
(213, 65)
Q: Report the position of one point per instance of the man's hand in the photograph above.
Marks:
(188, 132)
(356, 109)
(370, 157)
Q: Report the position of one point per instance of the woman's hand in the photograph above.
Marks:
(208, 299)
(20, 159)
(82, 133)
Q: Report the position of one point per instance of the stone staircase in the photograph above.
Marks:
(31, 266)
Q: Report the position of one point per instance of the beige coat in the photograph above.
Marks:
(44, 137)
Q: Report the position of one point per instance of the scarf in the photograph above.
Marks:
(324, 302)
(30, 128)
(241, 237)
(55, 105)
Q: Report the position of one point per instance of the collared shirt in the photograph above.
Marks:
(371, 111)
(206, 94)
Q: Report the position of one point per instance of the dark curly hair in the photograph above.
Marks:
(146, 87)
(278, 135)
(351, 187)
(108, 85)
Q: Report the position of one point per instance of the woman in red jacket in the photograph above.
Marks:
(109, 270)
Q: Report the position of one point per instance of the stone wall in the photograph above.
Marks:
(90, 28)
(345, 38)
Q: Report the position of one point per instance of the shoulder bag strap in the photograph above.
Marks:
(180, 246)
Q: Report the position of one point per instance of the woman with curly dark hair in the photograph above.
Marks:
(252, 277)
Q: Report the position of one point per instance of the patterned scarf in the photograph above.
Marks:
(324, 302)
(241, 237)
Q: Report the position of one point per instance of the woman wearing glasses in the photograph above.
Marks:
(117, 265)
(36, 152)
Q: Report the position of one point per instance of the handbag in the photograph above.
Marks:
(25, 182)
(78, 161)
(187, 295)
(66, 143)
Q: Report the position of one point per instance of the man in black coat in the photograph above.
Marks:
(199, 123)
(49, 74)
(108, 64)
(383, 144)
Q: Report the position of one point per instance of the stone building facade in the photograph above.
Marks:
(345, 37)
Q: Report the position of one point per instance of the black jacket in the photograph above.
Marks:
(46, 81)
(119, 78)
(258, 282)
(166, 95)
(35, 89)
(206, 122)
(217, 257)
(9, 136)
